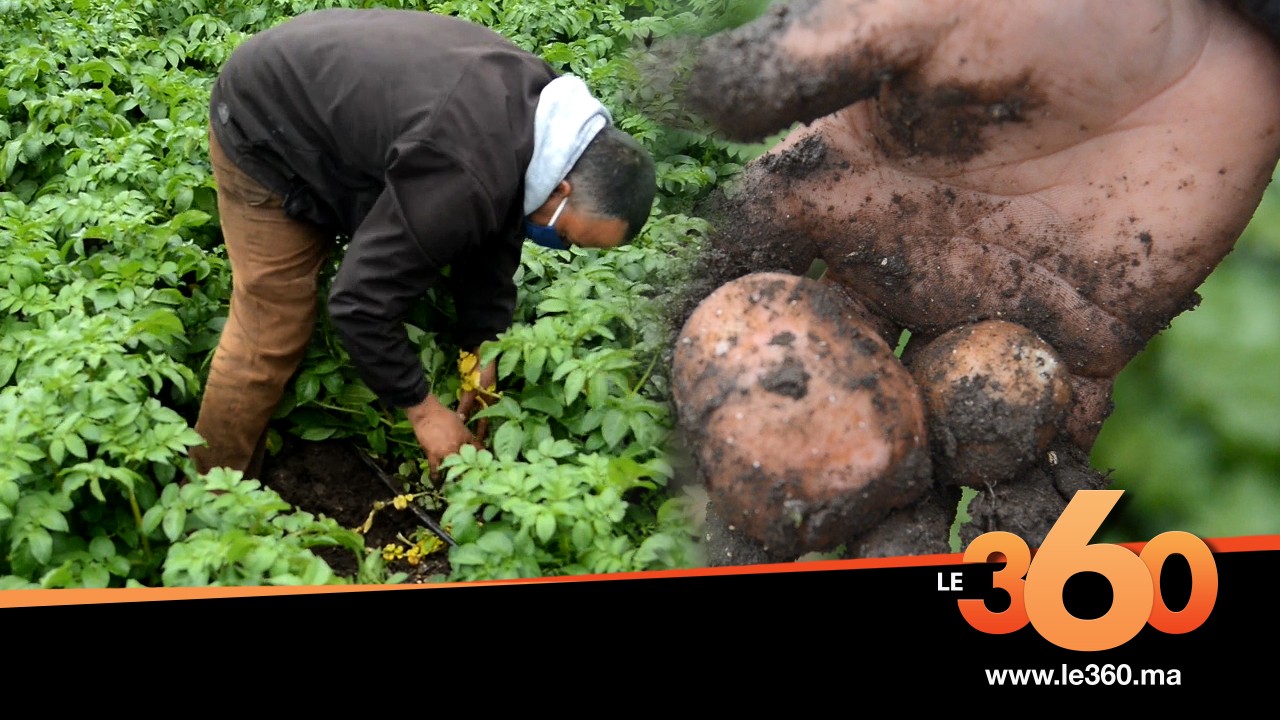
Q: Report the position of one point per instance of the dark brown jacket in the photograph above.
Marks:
(409, 132)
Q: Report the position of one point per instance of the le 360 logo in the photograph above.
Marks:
(1035, 587)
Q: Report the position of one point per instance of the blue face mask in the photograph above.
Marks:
(546, 235)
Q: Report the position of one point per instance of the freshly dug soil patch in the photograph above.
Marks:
(329, 479)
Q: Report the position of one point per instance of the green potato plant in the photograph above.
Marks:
(113, 289)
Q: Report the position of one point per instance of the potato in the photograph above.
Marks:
(806, 429)
(996, 395)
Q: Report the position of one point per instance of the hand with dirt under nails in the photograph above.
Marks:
(1077, 168)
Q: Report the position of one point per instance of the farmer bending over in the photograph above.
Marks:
(429, 142)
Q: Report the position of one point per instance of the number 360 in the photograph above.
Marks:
(1135, 580)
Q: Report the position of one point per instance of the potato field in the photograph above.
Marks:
(113, 288)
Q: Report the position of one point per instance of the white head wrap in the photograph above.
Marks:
(566, 121)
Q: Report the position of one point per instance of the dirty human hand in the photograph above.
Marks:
(1076, 168)
(439, 430)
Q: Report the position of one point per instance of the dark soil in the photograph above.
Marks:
(330, 479)
(1029, 505)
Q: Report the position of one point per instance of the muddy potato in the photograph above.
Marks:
(996, 394)
(807, 430)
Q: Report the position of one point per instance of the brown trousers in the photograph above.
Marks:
(275, 261)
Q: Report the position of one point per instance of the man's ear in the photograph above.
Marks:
(558, 193)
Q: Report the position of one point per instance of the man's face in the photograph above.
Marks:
(590, 231)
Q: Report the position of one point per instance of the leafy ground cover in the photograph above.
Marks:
(113, 287)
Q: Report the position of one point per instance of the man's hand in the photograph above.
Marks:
(439, 430)
(479, 394)
(1078, 168)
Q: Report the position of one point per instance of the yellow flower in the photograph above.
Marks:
(401, 501)
(431, 545)
(469, 370)
(467, 362)
(392, 552)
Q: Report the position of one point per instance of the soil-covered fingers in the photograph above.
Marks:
(944, 65)
(1091, 406)
(927, 255)
(806, 59)
(1096, 245)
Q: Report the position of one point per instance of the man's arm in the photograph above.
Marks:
(382, 274)
(484, 292)
(430, 213)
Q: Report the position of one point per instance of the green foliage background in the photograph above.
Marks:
(114, 284)
(1195, 437)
